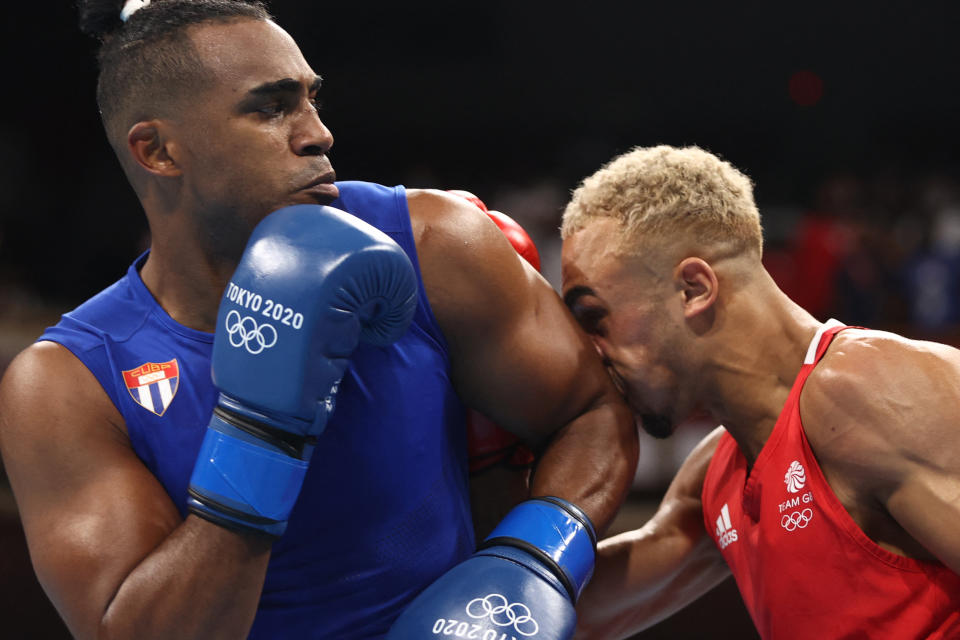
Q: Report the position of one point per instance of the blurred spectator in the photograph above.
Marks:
(931, 277)
(822, 239)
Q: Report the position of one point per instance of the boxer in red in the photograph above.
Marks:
(832, 490)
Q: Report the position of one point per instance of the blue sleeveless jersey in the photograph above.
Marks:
(385, 506)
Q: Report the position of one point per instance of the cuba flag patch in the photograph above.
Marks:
(152, 385)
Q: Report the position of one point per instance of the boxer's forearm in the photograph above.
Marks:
(591, 462)
(203, 581)
(643, 577)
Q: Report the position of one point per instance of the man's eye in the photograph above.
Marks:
(317, 104)
(591, 319)
(272, 109)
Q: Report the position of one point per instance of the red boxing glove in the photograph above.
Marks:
(518, 237)
(487, 443)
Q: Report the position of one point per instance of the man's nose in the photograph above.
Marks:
(311, 137)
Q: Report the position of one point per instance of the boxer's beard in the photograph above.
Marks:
(657, 425)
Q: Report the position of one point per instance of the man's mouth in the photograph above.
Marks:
(323, 188)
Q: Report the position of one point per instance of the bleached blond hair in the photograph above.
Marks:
(664, 192)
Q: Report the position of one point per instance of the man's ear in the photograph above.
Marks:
(699, 285)
(150, 148)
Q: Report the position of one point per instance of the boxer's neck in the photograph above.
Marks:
(754, 363)
(187, 282)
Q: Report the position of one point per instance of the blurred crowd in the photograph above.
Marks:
(880, 251)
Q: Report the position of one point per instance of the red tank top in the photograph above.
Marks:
(804, 568)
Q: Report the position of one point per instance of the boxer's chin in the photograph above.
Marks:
(657, 425)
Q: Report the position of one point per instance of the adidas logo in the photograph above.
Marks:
(725, 531)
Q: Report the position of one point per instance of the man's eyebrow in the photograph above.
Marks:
(570, 297)
(284, 85)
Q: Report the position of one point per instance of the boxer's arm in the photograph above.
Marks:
(888, 409)
(107, 544)
(500, 463)
(519, 357)
(646, 575)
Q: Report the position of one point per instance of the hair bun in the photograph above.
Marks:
(100, 18)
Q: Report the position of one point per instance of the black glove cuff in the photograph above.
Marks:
(289, 443)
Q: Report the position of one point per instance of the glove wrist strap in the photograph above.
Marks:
(557, 533)
(240, 480)
(292, 444)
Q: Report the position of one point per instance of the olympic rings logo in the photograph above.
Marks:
(245, 332)
(796, 520)
(503, 614)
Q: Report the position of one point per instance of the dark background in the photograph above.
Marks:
(845, 115)
(489, 96)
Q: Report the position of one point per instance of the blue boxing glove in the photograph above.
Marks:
(312, 283)
(522, 583)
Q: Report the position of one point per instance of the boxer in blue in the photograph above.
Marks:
(160, 503)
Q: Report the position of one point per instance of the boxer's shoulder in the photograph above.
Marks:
(47, 387)
(865, 371)
(468, 268)
(441, 220)
(875, 405)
